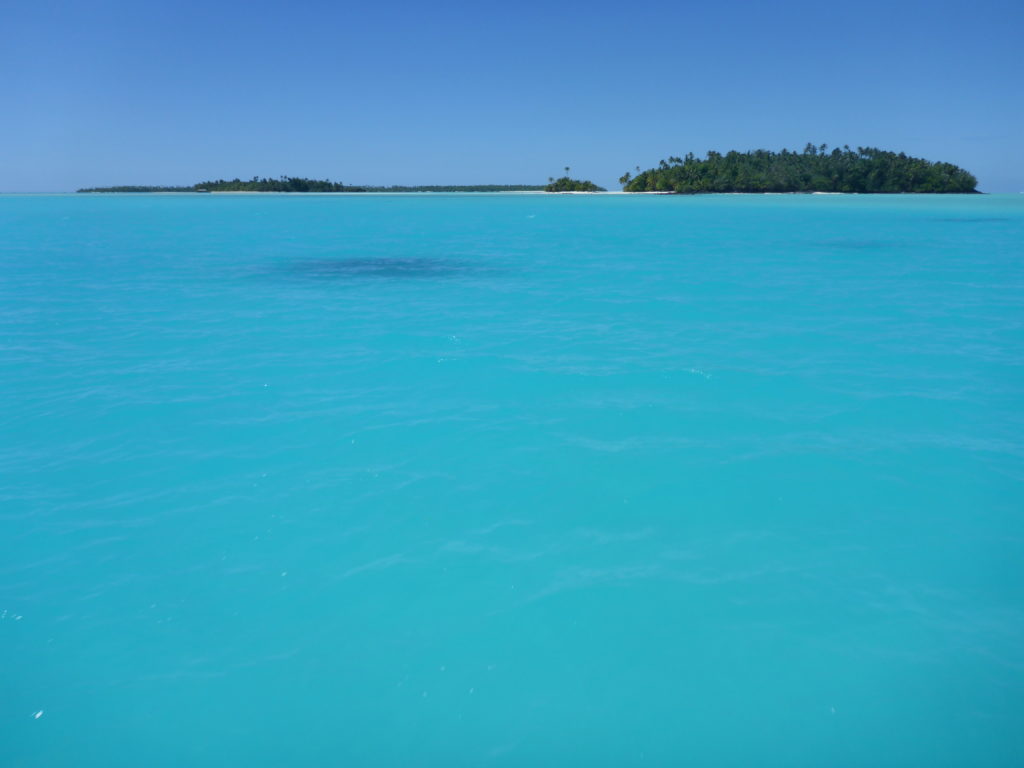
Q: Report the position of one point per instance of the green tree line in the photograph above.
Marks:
(460, 188)
(138, 189)
(565, 184)
(281, 184)
(816, 169)
(298, 184)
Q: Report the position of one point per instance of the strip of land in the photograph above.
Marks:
(298, 184)
(865, 170)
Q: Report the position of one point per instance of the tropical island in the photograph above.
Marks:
(456, 188)
(865, 170)
(566, 184)
(256, 184)
(299, 184)
(135, 189)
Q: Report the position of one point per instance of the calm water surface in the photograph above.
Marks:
(511, 480)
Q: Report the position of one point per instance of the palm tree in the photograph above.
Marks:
(567, 170)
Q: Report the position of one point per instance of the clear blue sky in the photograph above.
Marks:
(100, 92)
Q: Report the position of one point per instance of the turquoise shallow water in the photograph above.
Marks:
(511, 480)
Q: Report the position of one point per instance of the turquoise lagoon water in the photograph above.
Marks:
(511, 480)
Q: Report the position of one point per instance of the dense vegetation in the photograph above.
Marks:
(565, 184)
(256, 184)
(295, 184)
(138, 189)
(283, 184)
(814, 170)
(460, 188)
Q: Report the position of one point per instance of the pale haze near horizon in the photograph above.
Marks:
(112, 92)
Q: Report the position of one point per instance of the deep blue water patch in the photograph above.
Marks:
(397, 268)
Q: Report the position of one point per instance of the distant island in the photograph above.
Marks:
(135, 189)
(459, 188)
(298, 184)
(864, 170)
(565, 184)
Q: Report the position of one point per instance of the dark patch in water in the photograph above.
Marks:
(974, 220)
(387, 268)
(854, 245)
